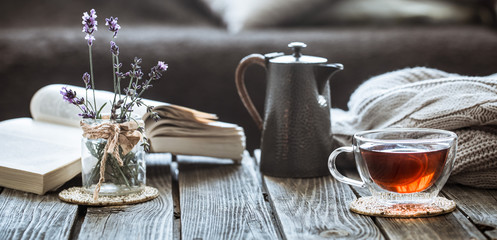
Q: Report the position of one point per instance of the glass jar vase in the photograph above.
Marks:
(123, 172)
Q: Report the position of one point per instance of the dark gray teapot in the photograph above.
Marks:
(296, 131)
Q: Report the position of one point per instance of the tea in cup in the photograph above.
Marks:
(400, 165)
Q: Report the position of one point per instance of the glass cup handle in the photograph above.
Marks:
(337, 175)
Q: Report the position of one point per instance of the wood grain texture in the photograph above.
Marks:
(176, 209)
(222, 200)
(149, 220)
(479, 205)
(450, 226)
(316, 208)
(30, 216)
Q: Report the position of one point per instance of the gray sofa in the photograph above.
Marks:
(42, 43)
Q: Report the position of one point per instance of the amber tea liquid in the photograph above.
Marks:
(404, 170)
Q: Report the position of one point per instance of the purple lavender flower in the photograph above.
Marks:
(87, 114)
(138, 74)
(68, 95)
(113, 111)
(122, 75)
(162, 66)
(79, 101)
(156, 71)
(130, 92)
(114, 49)
(113, 26)
(136, 63)
(86, 79)
(136, 86)
(89, 25)
(90, 38)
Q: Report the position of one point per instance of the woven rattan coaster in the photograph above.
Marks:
(78, 195)
(372, 207)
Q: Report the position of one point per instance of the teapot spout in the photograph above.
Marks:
(323, 72)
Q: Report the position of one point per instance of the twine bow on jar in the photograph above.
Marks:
(124, 135)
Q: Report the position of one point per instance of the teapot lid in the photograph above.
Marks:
(297, 57)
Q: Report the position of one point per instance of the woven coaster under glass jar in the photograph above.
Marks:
(78, 195)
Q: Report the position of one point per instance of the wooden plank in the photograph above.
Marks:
(175, 189)
(314, 208)
(450, 226)
(310, 208)
(30, 216)
(149, 220)
(222, 200)
(479, 205)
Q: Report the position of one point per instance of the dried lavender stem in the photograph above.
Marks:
(114, 77)
(92, 80)
(118, 79)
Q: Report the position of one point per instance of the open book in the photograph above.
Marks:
(42, 153)
(185, 131)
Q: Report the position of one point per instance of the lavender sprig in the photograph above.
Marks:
(115, 107)
(113, 26)
(135, 73)
(155, 73)
(87, 113)
(86, 79)
(89, 27)
(150, 109)
(70, 96)
(114, 49)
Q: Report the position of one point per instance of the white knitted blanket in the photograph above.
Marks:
(429, 98)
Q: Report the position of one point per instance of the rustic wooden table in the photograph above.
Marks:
(201, 199)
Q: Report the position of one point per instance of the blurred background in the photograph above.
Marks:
(41, 42)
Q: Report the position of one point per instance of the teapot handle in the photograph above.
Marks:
(240, 85)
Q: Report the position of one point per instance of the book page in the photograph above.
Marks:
(186, 122)
(38, 147)
(172, 127)
(48, 105)
(219, 147)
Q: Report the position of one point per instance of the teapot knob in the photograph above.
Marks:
(297, 46)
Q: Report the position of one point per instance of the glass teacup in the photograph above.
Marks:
(400, 165)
